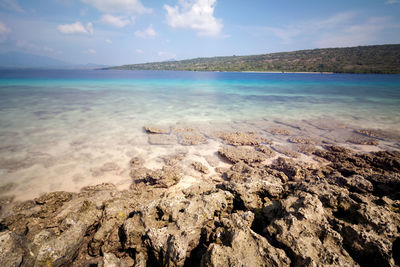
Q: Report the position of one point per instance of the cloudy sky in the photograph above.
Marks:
(117, 32)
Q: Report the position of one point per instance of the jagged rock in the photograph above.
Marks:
(243, 247)
(237, 154)
(110, 260)
(61, 250)
(292, 170)
(303, 230)
(171, 227)
(198, 166)
(357, 183)
(99, 187)
(267, 151)
(342, 212)
(14, 250)
(156, 129)
(106, 238)
(240, 139)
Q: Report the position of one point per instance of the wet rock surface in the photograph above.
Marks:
(265, 209)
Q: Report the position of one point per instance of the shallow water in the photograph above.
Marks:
(58, 128)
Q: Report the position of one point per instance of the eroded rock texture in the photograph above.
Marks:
(345, 212)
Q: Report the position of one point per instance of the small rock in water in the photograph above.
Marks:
(189, 139)
(300, 140)
(156, 129)
(237, 154)
(240, 139)
(162, 139)
(174, 159)
(369, 142)
(280, 132)
(367, 132)
(136, 161)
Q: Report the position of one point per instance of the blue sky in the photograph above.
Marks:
(115, 32)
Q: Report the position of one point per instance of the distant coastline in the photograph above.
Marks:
(379, 59)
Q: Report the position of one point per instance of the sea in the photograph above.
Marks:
(65, 129)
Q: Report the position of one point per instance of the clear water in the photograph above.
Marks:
(57, 126)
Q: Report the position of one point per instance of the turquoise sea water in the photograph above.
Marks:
(200, 96)
(61, 126)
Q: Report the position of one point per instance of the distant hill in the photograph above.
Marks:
(360, 59)
(24, 60)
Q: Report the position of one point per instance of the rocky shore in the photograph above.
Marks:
(320, 204)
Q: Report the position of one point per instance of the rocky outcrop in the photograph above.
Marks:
(240, 139)
(238, 154)
(344, 212)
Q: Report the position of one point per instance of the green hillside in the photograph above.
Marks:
(360, 59)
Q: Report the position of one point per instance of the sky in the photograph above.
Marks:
(115, 32)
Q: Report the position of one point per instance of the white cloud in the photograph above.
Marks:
(12, 5)
(149, 32)
(119, 6)
(197, 15)
(108, 41)
(118, 22)
(139, 51)
(91, 51)
(76, 28)
(390, 2)
(4, 31)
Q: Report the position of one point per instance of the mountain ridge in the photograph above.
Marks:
(359, 59)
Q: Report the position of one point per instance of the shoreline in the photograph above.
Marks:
(291, 194)
(196, 141)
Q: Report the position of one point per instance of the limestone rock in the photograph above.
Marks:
(62, 249)
(110, 260)
(153, 129)
(200, 167)
(304, 230)
(237, 154)
(14, 250)
(240, 139)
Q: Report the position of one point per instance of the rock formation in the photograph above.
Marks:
(344, 212)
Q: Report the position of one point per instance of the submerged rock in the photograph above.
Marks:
(189, 139)
(240, 139)
(280, 132)
(156, 129)
(162, 139)
(237, 154)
